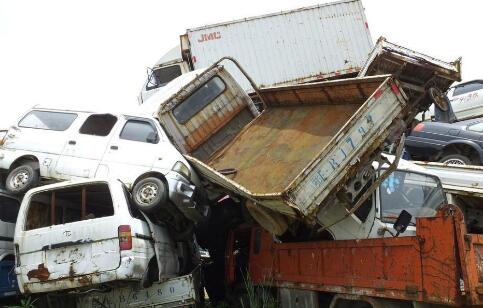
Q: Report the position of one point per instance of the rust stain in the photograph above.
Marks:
(71, 271)
(85, 280)
(41, 273)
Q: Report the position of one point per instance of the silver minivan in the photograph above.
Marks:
(77, 234)
(66, 145)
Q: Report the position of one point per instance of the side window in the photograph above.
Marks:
(98, 125)
(199, 99)
(161, 76)
(48, 120)
(138, 130)
(8, 209)
(470, 87)
(70, 204)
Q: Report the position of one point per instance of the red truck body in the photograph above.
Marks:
(442, 264)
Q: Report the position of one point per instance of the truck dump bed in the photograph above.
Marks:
(312, 140)
(308, 140)
(281, 143)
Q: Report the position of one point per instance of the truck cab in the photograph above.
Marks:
(170, 66)
(409, 188)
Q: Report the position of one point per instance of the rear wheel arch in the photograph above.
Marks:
(465, 149)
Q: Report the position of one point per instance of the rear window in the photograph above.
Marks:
(49, 120)
(161, 76)
(8, 209)
(67, 205)
(199, 99)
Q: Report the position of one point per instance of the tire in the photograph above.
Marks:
(22, 178)
(150, 194)
(439, 99)
(456, 159)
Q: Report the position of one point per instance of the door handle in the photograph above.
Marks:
(72, 142)
(114, 147)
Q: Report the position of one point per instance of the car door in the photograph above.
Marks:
(84, 149)
(68, 232)
(133, 150)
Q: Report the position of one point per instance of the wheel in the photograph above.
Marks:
(455, 159)
(150, 194)
(439, 99)
(22, 178)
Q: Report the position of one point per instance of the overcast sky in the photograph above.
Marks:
(95, 53)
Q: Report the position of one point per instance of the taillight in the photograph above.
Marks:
(418, 127)
(125, 237)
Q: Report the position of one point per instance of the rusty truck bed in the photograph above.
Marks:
(442, 264)
(280, 143)
(309, 139)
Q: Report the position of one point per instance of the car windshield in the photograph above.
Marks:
(419, 194)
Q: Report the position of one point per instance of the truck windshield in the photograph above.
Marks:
(419, 194)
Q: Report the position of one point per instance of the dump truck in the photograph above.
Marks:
(312, 146)
(275, 48)
(436, 262)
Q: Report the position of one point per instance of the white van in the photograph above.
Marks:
(65, 145)
(77, 234)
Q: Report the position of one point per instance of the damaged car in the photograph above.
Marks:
(65, 145)
(80, 234)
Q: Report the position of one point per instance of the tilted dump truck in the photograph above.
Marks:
(313, 145)
(302, 45)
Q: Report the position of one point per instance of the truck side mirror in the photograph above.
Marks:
(402, 222)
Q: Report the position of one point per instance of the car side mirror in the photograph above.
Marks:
(152, 137)
(402, 222)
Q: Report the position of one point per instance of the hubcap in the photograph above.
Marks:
(147, 193)
(19, 180)
(454, 161)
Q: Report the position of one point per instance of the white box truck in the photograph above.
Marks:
(312, 43)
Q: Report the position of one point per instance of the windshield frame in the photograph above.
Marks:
(413, 220)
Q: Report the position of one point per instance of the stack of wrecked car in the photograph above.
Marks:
(313, 144)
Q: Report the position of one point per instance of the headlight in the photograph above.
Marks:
(182, 169)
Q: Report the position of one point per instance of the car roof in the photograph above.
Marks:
(130, 113)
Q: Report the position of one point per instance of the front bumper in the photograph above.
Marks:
(185, 196)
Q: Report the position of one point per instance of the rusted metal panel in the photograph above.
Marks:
(276, 48)
(441, 264)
